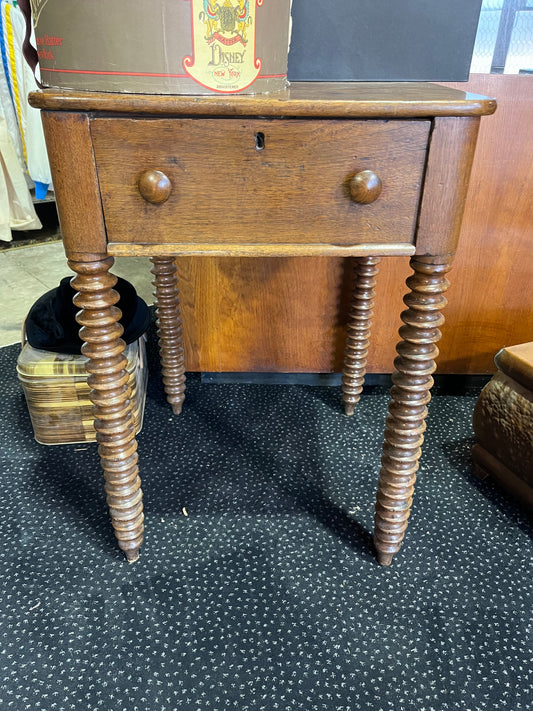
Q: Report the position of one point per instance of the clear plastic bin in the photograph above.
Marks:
(57, 394)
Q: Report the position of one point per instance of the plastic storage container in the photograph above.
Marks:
(57, 394)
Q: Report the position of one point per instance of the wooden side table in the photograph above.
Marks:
(360, 170)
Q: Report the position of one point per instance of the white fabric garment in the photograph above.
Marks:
(11, 119)
(16, 205)
(22, 83)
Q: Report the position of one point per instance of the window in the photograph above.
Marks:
(504, 41)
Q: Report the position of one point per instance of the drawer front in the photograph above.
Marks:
(255, 181)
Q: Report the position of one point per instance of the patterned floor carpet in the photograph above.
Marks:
(257, 589)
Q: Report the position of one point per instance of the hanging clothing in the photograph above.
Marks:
(19, 81)
(16, 205)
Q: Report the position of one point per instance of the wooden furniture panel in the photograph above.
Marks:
(297, 180)
(229, 307)
(227, 189)
(79, 212)
(490, 298)
(492, 274)
(257, 314)
(301, 99)
(453, 142)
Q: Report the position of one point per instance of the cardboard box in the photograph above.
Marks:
(163, 46)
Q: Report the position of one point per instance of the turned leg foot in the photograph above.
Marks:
(410, 395)
(169, 330)
(384, 559)
(111, 397)
(358, 331)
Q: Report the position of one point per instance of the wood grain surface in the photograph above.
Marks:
(307, 99)
(451, 152)
(80, 210)
(289, 315)
(101, 332)
(358, 331)
(410, 395)
(319, 249)
(169, 330)
(294, 189)
(491, 297)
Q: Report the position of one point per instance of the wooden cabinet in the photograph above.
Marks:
(319, 170)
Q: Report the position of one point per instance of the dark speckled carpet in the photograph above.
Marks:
(256, 589)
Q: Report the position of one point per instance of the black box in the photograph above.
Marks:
(382, 40)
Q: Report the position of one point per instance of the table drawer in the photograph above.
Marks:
(258, 181)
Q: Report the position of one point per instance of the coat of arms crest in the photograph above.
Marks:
(36, 9)
(223, 34)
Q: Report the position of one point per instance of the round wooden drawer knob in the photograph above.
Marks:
(154, 186)
(365, 187)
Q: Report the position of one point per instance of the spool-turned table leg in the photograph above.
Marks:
(410, 395)
(358, 331)
(169, 330)
(110, 394)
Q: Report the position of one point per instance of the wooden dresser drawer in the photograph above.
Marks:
(259, 181)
